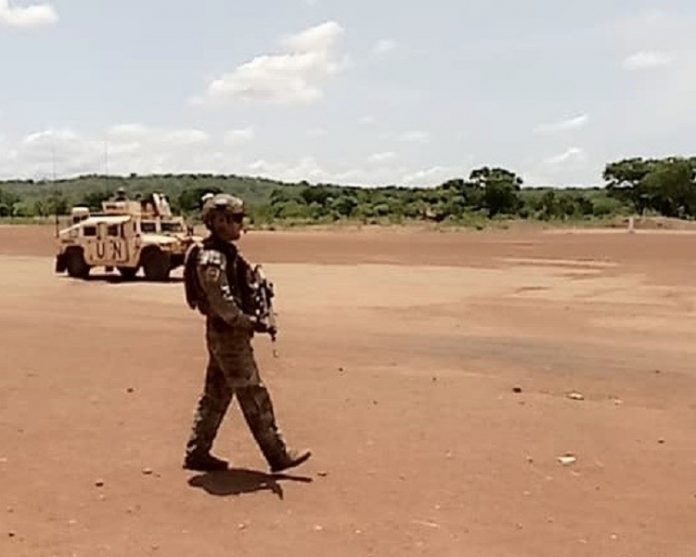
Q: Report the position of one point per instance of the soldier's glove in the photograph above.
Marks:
(261, 326)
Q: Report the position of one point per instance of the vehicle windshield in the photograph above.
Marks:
(148, 227)
(172, 227)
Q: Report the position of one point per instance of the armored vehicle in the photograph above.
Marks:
(126, 235)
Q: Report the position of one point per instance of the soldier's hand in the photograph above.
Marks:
(261, 326)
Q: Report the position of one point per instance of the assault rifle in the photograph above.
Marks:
(263, 293)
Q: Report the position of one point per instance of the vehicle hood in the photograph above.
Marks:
(159, 239)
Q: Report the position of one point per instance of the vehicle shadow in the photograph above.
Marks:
(118, 279)
(237, 481)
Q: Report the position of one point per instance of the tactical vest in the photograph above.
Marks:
(237, 270)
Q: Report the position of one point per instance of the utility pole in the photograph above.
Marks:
(53, 161)
(106, 163)
(53, 182)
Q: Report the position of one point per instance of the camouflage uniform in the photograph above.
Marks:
(232, 369)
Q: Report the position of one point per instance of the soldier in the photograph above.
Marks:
(216, 283)
(121, 195)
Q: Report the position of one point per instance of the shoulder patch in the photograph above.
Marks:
(211, 258)
(212, 273)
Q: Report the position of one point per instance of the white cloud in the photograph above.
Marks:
(572, 156)
(432, 176)
(50, 137)
(127, 131)
(564, 125)
(185, 137)
(130, 148)
(658, 41)
(295, 76)
(127, 148)
(131, 132)
(383, 47)
(33, 156)
(414, 136)
(134, 147)
(646, 60)
(380, 158)
(317, 132)
(307, 168)
(20, 17)
(320, 38)
(237, 137)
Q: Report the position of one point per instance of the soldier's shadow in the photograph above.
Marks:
(237, 481)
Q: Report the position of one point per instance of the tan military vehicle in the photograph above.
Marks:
(126, 235)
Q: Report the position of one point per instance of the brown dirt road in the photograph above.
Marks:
(398, 356)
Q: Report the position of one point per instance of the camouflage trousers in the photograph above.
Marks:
(232, 371)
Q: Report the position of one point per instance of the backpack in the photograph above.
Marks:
(191, 285)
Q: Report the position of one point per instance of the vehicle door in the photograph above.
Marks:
(114, 247)
(89, 238)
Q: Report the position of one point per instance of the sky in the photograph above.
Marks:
(363, 92)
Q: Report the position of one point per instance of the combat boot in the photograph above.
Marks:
(204, 462)
(290, 459)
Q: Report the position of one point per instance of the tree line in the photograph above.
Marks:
(645, 186)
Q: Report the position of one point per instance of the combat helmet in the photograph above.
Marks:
(223, 202)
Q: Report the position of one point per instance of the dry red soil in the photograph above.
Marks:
(398, 360)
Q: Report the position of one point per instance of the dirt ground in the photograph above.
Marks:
(399, 357)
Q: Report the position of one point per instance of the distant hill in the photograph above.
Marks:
(647, 187)
(256, 191)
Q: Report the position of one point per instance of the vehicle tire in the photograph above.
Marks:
(156, 265)
(128, 273)
(76, 265)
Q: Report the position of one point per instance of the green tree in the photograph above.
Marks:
(462, 194)
(315, 194)
(8, 198)
(624, 179)
(500, 189)
(665, 186)
(291, 209)
(21, 209)
(189, 200)
(670, 188)
(547, 206)
(344, 205)
(57, 204)
(94, 199)
(585, 205)
(40, 208)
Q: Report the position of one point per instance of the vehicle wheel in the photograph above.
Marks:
(128, 273)
(156, 266)
(76, 265)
